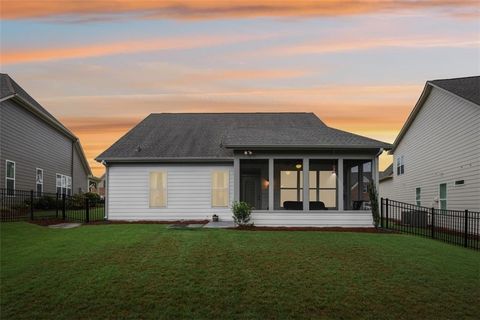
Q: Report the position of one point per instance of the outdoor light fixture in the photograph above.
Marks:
(247, 153)
(298, 166)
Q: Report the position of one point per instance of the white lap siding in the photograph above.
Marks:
(188, 189)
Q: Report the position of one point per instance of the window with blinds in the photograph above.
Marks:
(220, 188)
(158, 189)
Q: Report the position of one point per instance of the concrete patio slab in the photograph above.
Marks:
(220, 225)
(65, 225)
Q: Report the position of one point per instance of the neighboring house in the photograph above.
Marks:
(101, 186)
(437, 153)
(386, 183)
(36, 151)
(191, 166)
(93, 184)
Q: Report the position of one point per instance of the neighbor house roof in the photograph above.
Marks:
(201, 136)
(467, 88)
(9, 89)
(387, 173)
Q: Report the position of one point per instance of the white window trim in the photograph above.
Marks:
(36, 183)
(14, 177)
(419, 200)
(227, 172)
(63, 177)
(165, 174)
(440, 199)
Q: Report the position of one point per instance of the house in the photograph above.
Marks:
(437, 153)
(290, 167)
(37, 152)
(97, 185)
(386, 183)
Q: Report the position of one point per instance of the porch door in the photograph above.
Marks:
(250, 189)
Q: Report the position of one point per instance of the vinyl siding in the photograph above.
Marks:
(31, 143)
(189, 198)
(442, 145)
(386, 189)
(188, 192)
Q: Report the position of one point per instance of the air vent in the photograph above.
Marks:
(459, 182)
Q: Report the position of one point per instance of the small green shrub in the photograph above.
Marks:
(94, 198)
(241, 213)
(45, 203)
(373, 194)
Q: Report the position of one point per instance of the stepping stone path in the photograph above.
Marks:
(65, 225)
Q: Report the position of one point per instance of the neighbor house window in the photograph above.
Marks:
(400, 165)
(418, 196)
(39, 181)
(220, 190)
(158, 189)
(64, 184)
(10, 177)
(443, 196)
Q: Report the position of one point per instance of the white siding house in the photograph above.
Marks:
(437, 154)
(290, 167)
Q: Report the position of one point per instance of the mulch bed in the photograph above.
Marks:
(180, 222)
(328, 229)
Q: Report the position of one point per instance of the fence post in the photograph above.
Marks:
(386, 213)
(31, 204)
(87, 210)
(63, 206)
(466, 229)
(381, 212)
(433, 222)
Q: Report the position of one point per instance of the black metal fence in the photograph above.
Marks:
(19, 205)
(451, 226)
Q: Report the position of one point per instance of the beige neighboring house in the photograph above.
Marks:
(436, 156)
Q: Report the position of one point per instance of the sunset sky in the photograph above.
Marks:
(102, 66)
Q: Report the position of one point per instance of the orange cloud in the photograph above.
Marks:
(357, 44)
(127, 47)
(213, 9)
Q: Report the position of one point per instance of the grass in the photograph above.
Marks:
(149, 271)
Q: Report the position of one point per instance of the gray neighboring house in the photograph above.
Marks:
(37, 152)
(437, 152)
(291, 168)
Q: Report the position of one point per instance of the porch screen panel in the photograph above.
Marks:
(158, 189)
(323, 184)
(220, 188)
(288, 188)
(357, 178)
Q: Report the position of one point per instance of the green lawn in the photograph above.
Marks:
(149, 271)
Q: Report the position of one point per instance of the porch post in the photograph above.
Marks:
(236, 179)
(376, 175)
(340, 184)
(306, 185)
(271, 184)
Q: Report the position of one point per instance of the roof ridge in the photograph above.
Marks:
(457, 78)
(159, 113)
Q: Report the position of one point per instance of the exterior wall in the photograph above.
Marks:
(385, 189)
(79, 175)
(31, 143)
(189, 198)
(442, 145)
(188, 189)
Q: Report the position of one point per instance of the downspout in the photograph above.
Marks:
(106, 186)
(73, 150)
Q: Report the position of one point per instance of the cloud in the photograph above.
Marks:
(123, 47)
(75, 10)
(365, 43)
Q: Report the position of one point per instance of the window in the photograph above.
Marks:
(443, 196)
(400, 165)
(158, 189)
(64, 184)
(220, 188)
(39, 181)
(10, 177)
(323, 184)
(418, 196)
(288, 184)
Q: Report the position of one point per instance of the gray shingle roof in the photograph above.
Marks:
(467, 88)
(213, 135)
(387, 173)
